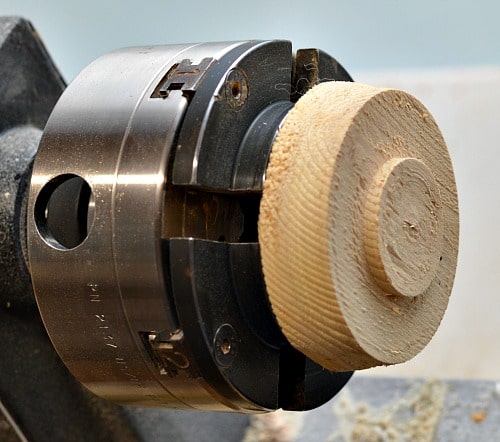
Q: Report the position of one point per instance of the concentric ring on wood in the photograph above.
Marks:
(403, 227)
(358, 226)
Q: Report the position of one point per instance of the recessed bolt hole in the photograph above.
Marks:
(225, 345)
(236, 88)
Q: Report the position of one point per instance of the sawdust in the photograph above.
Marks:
(279, 426)
(479, 416)
(414, 417)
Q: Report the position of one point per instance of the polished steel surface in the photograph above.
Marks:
(97, 297)
(142, 227)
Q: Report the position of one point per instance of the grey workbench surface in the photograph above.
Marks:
(387, 409)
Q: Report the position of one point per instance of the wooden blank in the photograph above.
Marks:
(358, 226)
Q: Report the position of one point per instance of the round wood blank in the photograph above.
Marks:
(358, 226)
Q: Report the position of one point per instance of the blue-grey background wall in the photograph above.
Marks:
(362, 34)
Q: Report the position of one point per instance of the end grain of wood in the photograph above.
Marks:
(358, 226)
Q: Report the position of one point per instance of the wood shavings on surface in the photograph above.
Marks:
(279, 426)
(413, 417)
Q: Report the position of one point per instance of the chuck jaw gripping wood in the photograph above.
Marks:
(358, 226)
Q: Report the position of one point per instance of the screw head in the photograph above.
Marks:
(236, 88)
(225, 345)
